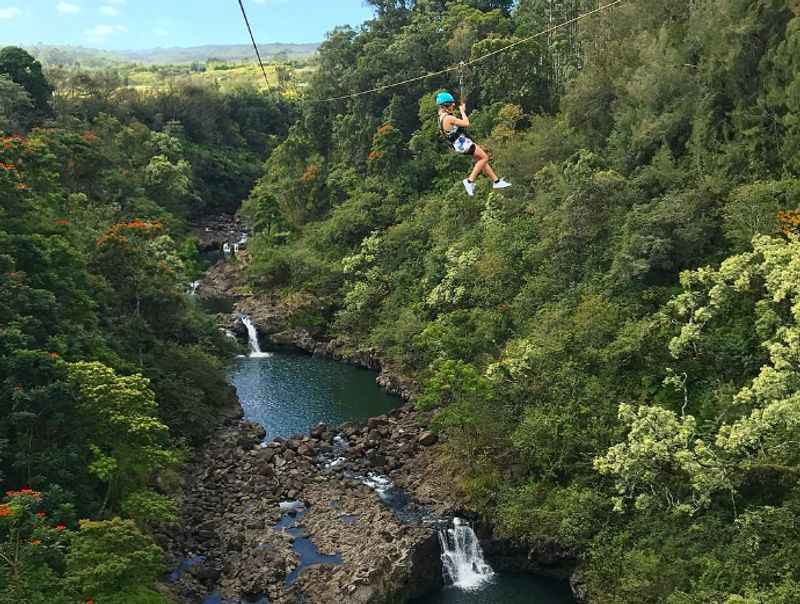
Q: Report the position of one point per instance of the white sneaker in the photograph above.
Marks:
(470, 187)
(501, 184)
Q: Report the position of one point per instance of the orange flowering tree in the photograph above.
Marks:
(387, 147)
(32, 548)
(294, 180)
(789, 222)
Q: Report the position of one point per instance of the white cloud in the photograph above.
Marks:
(99, 33)
(109, 11)
(10, 13)
(65, 8)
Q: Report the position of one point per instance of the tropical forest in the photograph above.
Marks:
(588, 382)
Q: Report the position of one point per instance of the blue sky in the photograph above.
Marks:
(137, 24)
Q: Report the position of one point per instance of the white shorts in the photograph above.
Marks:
(463, 144)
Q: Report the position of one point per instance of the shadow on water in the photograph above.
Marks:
(506, 589)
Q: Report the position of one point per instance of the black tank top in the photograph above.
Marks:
(455, 131)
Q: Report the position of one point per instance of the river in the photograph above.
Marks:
(289, 393)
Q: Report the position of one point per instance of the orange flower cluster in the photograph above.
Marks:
(55, 355)
(118, 231)
(62, 222)
(375, 155)
(8, 142)
(141, 225)
(311, 173)
(385, 129)
(21, 186)
(789, 222)
(6, 511)
(24, 492)
(7, 167)
(89, 136)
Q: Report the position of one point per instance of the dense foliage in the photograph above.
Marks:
(108, 371)
(612, 346)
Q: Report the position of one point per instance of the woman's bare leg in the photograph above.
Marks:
(482, 165)
(481, 160)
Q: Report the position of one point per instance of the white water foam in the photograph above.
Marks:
(287, 506)
(379, 483)
(462, 557)
(339, 461)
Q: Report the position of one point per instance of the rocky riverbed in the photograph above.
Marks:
(232, 514)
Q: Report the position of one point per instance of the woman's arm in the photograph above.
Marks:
(463, 122)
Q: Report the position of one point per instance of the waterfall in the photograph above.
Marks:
(462, 557)
(252, 336)
(193, 287)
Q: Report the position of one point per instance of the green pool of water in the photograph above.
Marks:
(289, 393)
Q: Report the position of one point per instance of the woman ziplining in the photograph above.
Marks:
(454, 130)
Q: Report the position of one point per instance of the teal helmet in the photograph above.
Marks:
(444, 98)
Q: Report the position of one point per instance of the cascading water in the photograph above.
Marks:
(252, 336)
(462, 557)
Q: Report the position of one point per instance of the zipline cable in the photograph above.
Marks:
(255, 46)
(462, 64)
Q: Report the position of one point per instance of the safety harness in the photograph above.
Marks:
(454, 134)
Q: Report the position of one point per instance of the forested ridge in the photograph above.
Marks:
(611, 347)
(613, 344)
(108, 372)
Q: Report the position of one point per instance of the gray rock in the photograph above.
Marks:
(306, 450)
(427, 439)
(376, 422)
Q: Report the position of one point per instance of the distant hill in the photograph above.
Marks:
(91, 57)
